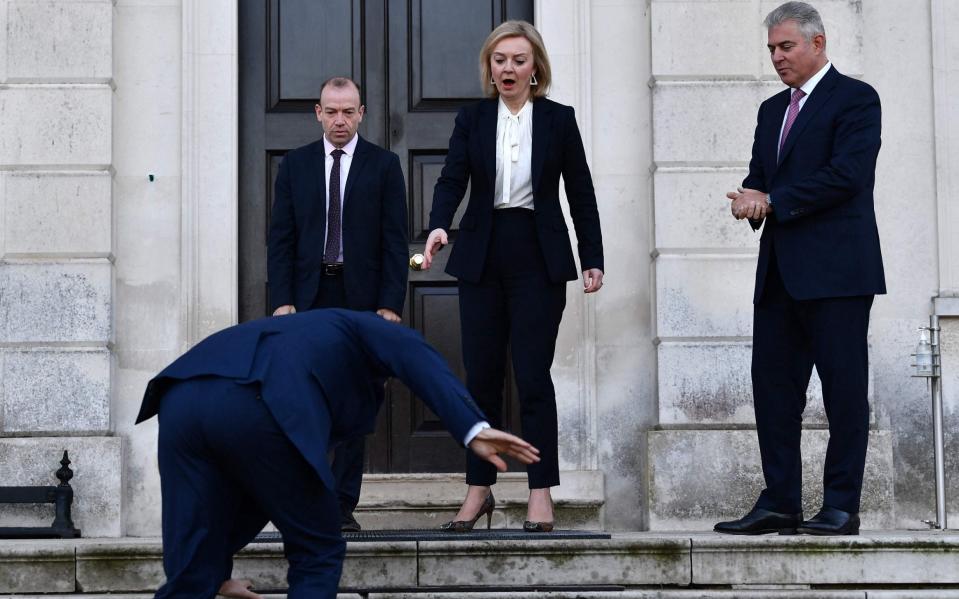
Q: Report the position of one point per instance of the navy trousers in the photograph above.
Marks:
(515, 307)
(226, 469)
(789, 337)
(349, 455)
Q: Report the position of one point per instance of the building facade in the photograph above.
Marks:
(119, 171)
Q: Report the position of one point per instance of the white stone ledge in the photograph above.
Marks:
(97, 467)
(694, 168)
(863, 560)
(747, 564)
(709, 252)
(59, 169)
(59, 81)
(622, 560)
(700, 477)
(37, 566)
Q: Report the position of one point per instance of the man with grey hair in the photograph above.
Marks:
(810, 189)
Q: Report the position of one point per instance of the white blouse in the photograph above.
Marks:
(514, 150)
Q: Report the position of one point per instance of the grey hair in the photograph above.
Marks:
(807, 17)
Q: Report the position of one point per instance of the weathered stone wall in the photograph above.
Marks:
(704, 103)
(57, 265)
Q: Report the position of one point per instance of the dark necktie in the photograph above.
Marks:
(791, 115)
(333, 226)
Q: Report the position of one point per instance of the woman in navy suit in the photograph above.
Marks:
(512, 255)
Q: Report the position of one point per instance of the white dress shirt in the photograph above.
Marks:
(475, 430)
(514, 152)
(345, 161)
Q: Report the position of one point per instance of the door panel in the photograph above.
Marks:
(416, 62)
(433, 71)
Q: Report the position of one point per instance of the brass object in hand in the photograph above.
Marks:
(416, 262)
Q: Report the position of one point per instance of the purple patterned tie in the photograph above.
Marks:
(791, 116)
(333, 227)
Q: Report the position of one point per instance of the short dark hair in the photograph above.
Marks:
(339, 81)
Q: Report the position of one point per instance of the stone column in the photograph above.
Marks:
(56, 272)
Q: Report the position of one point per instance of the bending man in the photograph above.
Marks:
(247, 418)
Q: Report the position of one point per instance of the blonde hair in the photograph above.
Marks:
(540, 58)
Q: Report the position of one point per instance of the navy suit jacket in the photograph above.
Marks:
(375, 250)
(823, 226)
(318, 373)
(557, 150)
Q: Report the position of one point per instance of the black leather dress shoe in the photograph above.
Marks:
(831, 521)
(348, 523)
(760, 522)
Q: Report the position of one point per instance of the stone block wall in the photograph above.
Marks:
(704, 460)
(56, 265)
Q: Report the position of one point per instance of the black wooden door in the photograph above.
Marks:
(417, 63)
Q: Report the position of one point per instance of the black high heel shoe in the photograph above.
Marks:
(530, 526)
(467, 525)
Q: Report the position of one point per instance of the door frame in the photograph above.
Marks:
(209, 192)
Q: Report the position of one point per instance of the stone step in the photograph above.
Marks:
(741, 593)
(410, 501)
(627, 561)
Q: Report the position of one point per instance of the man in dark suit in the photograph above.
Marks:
(811, 180)
(246, 420)
(338, 237)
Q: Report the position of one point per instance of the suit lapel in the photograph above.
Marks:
(542, 118)
(487, 133)
(777, 111)
(319, 207)
(356, 168)
(816, 100)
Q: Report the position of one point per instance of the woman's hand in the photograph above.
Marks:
(592, 280)
(434, 243)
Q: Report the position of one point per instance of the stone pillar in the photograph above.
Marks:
(710, 73)
(176, 114)
(945, 53)
(56, 271)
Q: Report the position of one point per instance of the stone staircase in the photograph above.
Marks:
(876, 565)
(410, 501)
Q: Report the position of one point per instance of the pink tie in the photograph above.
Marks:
(791, 116)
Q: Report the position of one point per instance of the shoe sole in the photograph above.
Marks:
(827, 533)
(768, 531)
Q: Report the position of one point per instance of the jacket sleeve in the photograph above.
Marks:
(451, 186)
(856, 141)
(756, 178)
(394, 242)
(403, 353)
(281, 246)
(581, 197)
